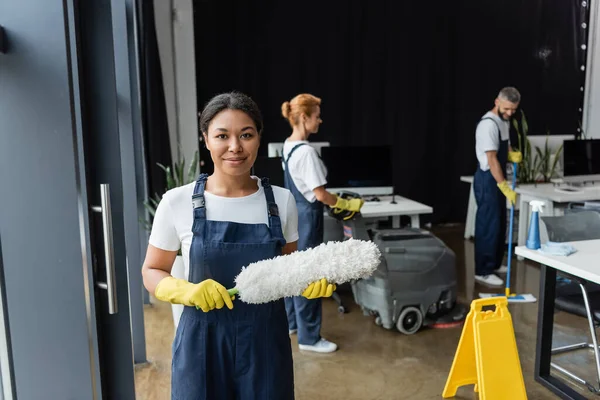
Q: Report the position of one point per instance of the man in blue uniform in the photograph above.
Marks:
(491, 189)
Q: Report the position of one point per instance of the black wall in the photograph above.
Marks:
(415, 75)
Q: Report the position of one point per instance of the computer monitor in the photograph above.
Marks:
(582, 157)
(366, 170)
(276, 148)
(269, 167)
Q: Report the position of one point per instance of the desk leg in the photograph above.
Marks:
(471, 212)
(544, 337)
(415, 222)
(523, 215)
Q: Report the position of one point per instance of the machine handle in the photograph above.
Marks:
(109, 256)
(478, 304)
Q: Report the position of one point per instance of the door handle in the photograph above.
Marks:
(109, 255)
(3, 41)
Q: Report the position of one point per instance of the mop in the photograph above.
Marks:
(512, 298)
(289, 275)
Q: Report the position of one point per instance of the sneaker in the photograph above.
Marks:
(502, 270)
(490, 280)
(322, 346)
(292, 331)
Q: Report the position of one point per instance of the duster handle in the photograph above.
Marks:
(232, 292)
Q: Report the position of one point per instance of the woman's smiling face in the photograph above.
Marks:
(233, 142)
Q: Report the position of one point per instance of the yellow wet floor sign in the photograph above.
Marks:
(487, 355)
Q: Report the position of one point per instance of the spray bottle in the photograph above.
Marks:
(533, 237)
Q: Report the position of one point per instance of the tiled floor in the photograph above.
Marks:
(374, 363)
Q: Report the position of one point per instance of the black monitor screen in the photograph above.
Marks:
(358, 166)
(581, 157)
(269, 167)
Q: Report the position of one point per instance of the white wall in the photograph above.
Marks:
(591, 111)
(175, 34)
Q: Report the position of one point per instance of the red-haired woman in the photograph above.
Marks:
(306, 177)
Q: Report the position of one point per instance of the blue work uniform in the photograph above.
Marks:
(243, 353)
(490, 222)
(305, 314)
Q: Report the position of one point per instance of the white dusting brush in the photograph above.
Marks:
(289, 275)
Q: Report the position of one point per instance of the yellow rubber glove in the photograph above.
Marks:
(207, 294)
(318, 289)
(508, 192)
(515, 156)
(350, 205)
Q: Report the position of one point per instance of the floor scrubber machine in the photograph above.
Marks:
(415, 284)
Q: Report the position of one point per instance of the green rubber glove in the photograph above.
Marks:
(318, 289)
(206, 295)
(350, 205)
(510, 194)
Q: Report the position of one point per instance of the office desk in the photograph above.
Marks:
(585, 264)
(403, 206)
(554, 202)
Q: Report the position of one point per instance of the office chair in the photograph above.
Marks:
(577, 297)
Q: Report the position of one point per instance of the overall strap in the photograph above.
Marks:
(292, 152)
(497, 126)
(273, 210)
(198, 203)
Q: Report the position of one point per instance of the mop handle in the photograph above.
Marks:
(510, 232)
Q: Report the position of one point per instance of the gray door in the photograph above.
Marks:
(62, 237)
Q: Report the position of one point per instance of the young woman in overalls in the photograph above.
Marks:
(226, 349)
(306, 177)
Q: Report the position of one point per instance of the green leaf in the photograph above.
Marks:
(163, 167)
(145, 224)
(524, 123)
(192, 171)
(178, 173)
(175, 176)
(170, 180)
(151, 209)
(556, 159)
(516, 126)
(181, 173)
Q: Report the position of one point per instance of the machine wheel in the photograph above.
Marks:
(341, 309)
(378, 321)
(410, 320)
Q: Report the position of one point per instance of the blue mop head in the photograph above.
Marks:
(513, 298)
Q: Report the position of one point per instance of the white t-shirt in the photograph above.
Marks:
(306, 168)
(486, 137)
(172, 226)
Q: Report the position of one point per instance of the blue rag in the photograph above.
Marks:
(557, 249)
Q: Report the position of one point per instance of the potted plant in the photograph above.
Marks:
(538, 166)
(175, 176)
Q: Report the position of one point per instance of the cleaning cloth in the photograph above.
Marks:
(557, 249)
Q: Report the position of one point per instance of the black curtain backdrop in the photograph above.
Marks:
(415, 75)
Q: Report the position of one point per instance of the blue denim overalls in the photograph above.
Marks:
(244, 353)
(305, 314)
(490, 220)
